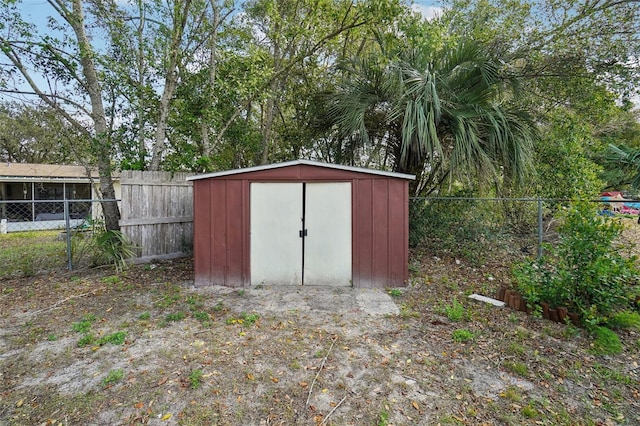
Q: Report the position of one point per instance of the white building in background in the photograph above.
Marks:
(32, 196)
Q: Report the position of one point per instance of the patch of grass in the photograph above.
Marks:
(117, 338)
(516, 367)
(175, 316)
(195, 301)
(27, 253)
(112, 279)
(295, 364)
(170, 298)
(606, 342)
(529, 412)
(195, 379)
(512, 393)
(516, 348)
(395, 292)
(145, 316)
(455, 311)
(625, 319)
(407, 312)
(113, 377)
(606, 373)
(84, 325)
(201, 316)
(86, 340)
(462, 335)
(383, 418)
(218, 307)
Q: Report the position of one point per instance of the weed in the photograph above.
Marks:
(295, 365)
(175, 316)
(571, 331)
(52, 337)
(529, 411)
(513, 318)
(383, 418)
(243, 319)
(168, 299)
(240, 293)
(112, 279)
(195, 301)
(117, 338)
(87, 339)
(407, 312)
(395, 292)
(218, 307)
(512, 393)
(455, 311)
(201, 316)
(606, 342)
(519, 368)
(144, 316)
(250, 318)
(113, 377)
(610, 374)
(195, 379)
(462, 335)
(516, 348)
(85, 325)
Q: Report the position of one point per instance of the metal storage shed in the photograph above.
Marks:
(301, 223)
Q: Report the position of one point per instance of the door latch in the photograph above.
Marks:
(302, 233)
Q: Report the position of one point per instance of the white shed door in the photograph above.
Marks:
(282, 253)
(327, 248)
(276, 246)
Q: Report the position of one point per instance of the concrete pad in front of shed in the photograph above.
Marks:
(374, 302)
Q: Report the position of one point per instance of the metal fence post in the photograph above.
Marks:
(540, 229)
(67, 226)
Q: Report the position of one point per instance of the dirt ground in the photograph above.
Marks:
(146, 347)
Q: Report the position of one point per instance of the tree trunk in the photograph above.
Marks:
(205, 118)
(171, 82)
(270, 109)
(101, 140)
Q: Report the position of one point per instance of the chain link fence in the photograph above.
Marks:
(38, 236)
(43, 235)
(482, 229)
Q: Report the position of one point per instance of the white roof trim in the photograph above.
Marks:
(303, 162)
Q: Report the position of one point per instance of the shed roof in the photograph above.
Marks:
(306, 163)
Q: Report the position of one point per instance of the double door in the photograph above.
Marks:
(300, 233)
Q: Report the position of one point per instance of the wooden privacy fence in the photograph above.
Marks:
(157, 213)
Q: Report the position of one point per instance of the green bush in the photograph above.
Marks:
(585, 271)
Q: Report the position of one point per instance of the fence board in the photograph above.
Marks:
(157, 213)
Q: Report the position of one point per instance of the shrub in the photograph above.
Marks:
(585, 271)
(114, 248)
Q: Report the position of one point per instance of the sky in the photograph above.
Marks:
(427, 8)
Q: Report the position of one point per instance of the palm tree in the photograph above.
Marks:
(440, 115)
(629, 160)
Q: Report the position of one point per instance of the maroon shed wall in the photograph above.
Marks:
(379, 224)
